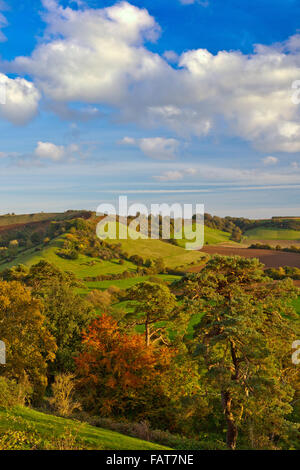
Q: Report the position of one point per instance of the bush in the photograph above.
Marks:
(8, 393)
(18, 440)
(63, 395)
(143, 431)
(68, 254)
(100, 299)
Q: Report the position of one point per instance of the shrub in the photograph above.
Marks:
(18, 440)
(100, 299)
(142, 430)
(8, 393)
(63, 395)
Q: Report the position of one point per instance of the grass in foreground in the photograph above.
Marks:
(48, 431)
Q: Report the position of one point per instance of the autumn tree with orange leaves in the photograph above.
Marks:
(118, 376)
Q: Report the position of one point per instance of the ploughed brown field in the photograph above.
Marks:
(271, 259)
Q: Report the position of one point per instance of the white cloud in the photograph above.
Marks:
(100, 56)
(270, 160)
(92, 55)
(49, 151)
(171, 56)
(21, 100)
(175, 175)
(44, 154)
(57, 153)
(128, 141)
(159, 148)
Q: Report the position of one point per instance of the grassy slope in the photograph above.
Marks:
(214, 237)
(296, 305)
(262, 233)
(83, 266)
(211, 237)
(49, 427)
(124, 283)
(173, 256)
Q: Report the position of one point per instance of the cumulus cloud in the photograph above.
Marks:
(50, 151)
(92, 55)
(21, 99)
(44, 154)
(100, 56)
(57, 153)
(171, 56)
(159, 148)
(270, 160)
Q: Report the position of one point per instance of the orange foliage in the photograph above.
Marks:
(116, 371)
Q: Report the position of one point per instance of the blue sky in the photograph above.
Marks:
(165, 100)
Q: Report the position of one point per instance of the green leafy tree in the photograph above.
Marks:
(67, 315)
(23, 328)
(243, 345)
(154, 304)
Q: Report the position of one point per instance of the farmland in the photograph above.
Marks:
(271, 259)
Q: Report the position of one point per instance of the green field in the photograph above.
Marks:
(173, 256)
(296, 305)
(211, 237)
(126, 283)
(81, 267)
(264, 233)
(49, 429)
(214, 237)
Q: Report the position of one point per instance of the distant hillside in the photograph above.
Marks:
(211, 237)
(173, 256)
(47, 431)
(22, 219)
(266, 233)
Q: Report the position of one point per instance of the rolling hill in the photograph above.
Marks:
(81, 267)
(173, 256)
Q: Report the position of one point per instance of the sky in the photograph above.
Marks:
(165, 101)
